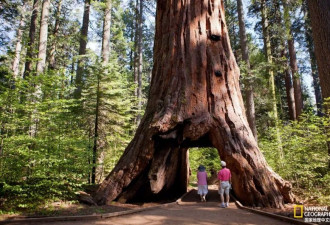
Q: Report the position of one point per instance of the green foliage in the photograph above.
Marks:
(207, 157)
(305, 161)
(106, 93)
(52, 163)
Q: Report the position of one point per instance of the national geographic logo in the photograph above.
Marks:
(298, 211)
(314, 214)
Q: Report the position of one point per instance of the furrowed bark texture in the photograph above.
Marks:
(320, 15)
(194, 100)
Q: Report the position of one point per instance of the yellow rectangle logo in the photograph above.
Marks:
(301, 207)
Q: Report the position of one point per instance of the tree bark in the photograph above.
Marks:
(82, 50)
(105, 53)
(136, 38)
(288, 86)
(140, 61)
(293, 62)
(32, 32)
(194, 100)
(287, 76)
(296, 78)
(52, 52)
(315, 75)
(320, 16)
(96, 130)
(41, 64)
(106, 33)
(18, 46)
(43, 35)
(250, 110)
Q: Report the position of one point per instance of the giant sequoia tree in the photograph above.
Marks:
(194, 100)
(320, 15)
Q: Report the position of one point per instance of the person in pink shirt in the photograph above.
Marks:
(224, 177)
(202, 183)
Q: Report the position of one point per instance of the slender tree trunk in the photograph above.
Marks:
(96, 130)
(288, 86)
(136, 57)
(140, 62)
(2, 137)
(293, 62)
(296, 79)
(250, 111)
(287, 75)
(43, 35)
(319, 11)
(32, 32)
(268, 53)
(105, 53)
(194, 100)
(82, 50)
(310, 46)
(18, 47)
(106, 33)
(72, 71)
(315, 75)
(52, 53)
(41, 64)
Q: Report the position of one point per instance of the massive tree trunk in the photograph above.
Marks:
(32, 32)
(250, 111)
(320, 16)
(194, 100)
(82, 49)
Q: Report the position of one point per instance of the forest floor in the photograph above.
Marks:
(76, 209)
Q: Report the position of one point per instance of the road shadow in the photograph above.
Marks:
(192, 196)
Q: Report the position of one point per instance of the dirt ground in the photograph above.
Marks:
(189, 211)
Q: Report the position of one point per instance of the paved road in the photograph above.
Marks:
(198, 213)
(190, 211)
(187, 213)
